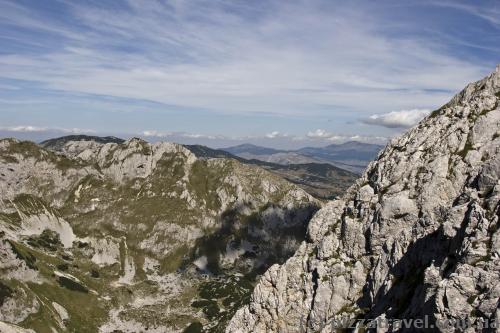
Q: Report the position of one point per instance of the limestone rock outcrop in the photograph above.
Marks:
(416, 237)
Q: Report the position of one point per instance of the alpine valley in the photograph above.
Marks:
(126, 236)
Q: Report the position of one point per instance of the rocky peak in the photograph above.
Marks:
(56, 144)
(417, 235)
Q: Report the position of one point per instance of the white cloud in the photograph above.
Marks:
(156, 133)
(29, 128)
(321, 134)
(397, 119)
(198, 136)
(276, 134)
(174, 135)
(24, 129)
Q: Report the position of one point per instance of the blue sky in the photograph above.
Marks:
(281, 73)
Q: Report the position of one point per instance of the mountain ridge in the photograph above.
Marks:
(417, 236)
(135, 236)
(322, 180)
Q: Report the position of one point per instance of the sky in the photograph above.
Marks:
(278, 73)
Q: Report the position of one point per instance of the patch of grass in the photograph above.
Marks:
(228, 293)
(48, 239)
(22, 253)
(11, 218)
(71, 284)
(203, 182)
(209, 307)
(195, 327)
(32, 205)
(471, 299)
(5, 292)
(86, 313)
(174, 260)
(9, 159)
(94, 273)
(29, 149)
(63, 267)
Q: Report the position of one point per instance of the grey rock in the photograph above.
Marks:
(417, 235)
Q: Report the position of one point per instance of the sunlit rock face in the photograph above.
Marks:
(107, 236)
(418, 235)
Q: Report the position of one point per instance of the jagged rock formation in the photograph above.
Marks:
(132, 236)
(417, 235)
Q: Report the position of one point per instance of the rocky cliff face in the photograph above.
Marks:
(418, 235)
(132, 236)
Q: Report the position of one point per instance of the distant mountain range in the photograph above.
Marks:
(352, 156)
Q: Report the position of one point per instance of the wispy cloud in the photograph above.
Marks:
(236, 57)
(301, 60)
(486, 10)
(397, 119)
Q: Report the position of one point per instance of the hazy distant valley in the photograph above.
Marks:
(352, 156)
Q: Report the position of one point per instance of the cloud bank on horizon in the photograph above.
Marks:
(281, 70)
(274, 139)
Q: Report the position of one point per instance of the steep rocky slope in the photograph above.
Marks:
(418, 235)
(132, 236)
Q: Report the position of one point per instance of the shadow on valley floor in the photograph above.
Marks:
(235, 255)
